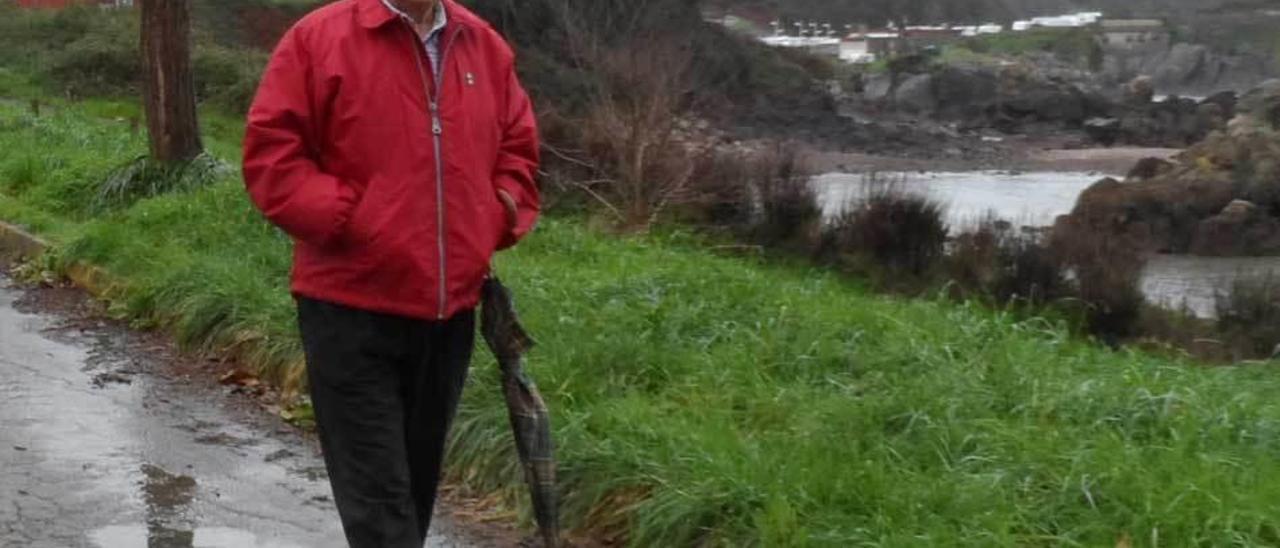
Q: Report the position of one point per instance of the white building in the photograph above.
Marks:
(817, 45)
(1135, 33)
(981, 30)
(856, 51)
(1071, 21)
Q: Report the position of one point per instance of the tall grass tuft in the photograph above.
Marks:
(143, 178)
(20, 173)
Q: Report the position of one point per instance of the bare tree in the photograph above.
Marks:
(169, 90)
(636, 102)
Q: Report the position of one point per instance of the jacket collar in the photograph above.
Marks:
(373, 14)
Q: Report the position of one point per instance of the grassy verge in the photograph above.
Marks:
(703, 400)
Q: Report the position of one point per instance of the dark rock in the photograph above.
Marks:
(1175, 123)
(877, 87)
(1149, 168)
(1218, 198)
(1263, 104)
(1156, 216)
(1225, 100)
(1140, 91)
(1242, 228)
(1191, 68)
(916, 94)
(1184, 65)
(1098, 105)
(1209, 117)
(1049, 104)
(1238, 211)
(1105, 131)
(964, 92)
(1101, 192)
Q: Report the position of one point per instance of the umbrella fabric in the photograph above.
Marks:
(530, 421)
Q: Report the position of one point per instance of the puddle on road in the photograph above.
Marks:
(168, 503)
(148, 463)
(169, 521)
(163, 463)
(141, 536)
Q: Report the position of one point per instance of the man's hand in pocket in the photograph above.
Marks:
(509, 204)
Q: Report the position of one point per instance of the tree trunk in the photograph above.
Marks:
(169, 91)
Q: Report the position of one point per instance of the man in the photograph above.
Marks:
(392, 141)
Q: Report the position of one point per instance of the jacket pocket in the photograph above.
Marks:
(369, 219)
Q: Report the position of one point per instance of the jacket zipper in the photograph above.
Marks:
(437, 135)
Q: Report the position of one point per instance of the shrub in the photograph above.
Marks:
(900, 231)
(1249, 316)
(103, 61)
(1179, 332)
(227, 76)
(722, 196)
(761, 196)
(86, 52)
(1030, 272)
(973, 260)
(789, 211)
(631, 129)
(1006, 265)
(1108, 272)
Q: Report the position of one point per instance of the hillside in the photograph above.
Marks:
(700, 397)
(874, 12)
(1229, 26)
(573, 51)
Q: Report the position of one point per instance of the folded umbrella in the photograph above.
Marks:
(530, 421)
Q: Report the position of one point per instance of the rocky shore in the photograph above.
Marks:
(1024, 99)
(1016, 154)
(1220, 197)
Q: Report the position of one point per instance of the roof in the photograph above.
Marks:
(1122, 24)
(800, 41)
(857, 37)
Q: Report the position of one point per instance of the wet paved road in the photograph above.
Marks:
(99, 450)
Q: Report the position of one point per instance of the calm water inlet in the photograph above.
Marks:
(1028, 199)
(1036, 199)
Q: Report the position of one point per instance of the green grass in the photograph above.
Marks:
(85, 52)
(705, 400)
(964, 55)
(1077, 46)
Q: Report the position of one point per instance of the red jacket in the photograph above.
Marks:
(392, 204)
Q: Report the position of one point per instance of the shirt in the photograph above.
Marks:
(430, 42)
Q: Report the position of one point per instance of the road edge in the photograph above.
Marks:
(18, 244)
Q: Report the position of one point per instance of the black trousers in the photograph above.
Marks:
(385, 389)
